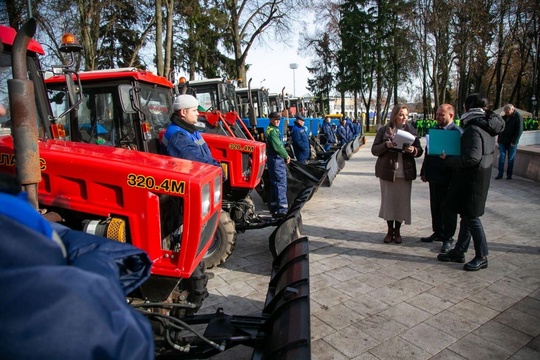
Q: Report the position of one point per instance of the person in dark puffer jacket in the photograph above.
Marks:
(469, 186)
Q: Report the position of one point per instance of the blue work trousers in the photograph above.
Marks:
(277, 172)
(472, 227)
(511, 150)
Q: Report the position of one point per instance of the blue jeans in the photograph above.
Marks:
(472, 227)
(511, 150)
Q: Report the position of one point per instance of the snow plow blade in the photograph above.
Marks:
(352, 146)
(300, 176)
(287, 330)
(333, 164)
(290, 226)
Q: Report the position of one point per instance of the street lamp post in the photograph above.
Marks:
(293, 66)
(535, 69)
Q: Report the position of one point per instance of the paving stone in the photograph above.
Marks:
(338, 317)
(410, 285)
(428, 338)
(447, 355)
(319, 329)
(353, 287)
(452, 324)
(330, 297)
(473, 311)
(434, 275)
(376, 280)
(363, 288)
(391, 296)
(318, 282)
(529, 305)
(406, 314)
(529, 352)
(506, 288)
(472, 346)
(535, 294)
(321, 350)
(519, 320)
(397, 348)
(450, 293)
(351, 341)
(492, 300)
(343, 274)
(380, 327)
(366, 305)
(366, 356)
(503, 336)
(429, 303)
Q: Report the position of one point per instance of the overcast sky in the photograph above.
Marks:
(270, 67)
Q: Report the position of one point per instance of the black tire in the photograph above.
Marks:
(223, 244)
(196, 287)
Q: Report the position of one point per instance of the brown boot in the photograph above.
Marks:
(389, 235)
(397, 236)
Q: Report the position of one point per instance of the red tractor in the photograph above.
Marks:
(114, 100)
(168, 207)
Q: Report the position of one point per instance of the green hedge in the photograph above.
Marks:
(423, 126)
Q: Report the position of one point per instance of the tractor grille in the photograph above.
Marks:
(208, 230)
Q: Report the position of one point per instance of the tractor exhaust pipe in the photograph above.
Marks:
(24, 115)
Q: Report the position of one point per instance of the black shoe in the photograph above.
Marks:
(433, 237)
(279, 215)
(509, 178)
(446, 246)
(498, 177)
(452, 256)
(476, 264)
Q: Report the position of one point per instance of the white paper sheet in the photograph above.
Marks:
(403, 137)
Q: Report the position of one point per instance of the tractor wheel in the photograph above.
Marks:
(196, 289)
(223, 244)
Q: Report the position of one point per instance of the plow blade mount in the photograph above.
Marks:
(289, 229)
(287, 330)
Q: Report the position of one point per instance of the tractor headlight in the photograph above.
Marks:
(217, 190)
(205, 206)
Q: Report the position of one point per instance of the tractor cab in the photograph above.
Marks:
(217, 107)
(124, 108)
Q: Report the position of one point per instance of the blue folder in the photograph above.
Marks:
(447, 140)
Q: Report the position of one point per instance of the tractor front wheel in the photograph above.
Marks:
(223, 244)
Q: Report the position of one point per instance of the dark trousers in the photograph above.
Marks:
(277, 173)
(503, 150)
(472, 227)
(443, 221)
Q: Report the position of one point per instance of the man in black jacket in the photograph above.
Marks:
(509, 139)
(469, 187)
(443, 220)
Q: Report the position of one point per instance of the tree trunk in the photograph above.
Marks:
(159, 38)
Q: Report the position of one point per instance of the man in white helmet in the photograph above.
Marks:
(182, 139)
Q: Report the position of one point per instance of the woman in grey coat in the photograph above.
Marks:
(469, 186)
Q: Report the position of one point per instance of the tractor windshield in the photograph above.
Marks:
(6, 73)
(260, 99)
(116, 115)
